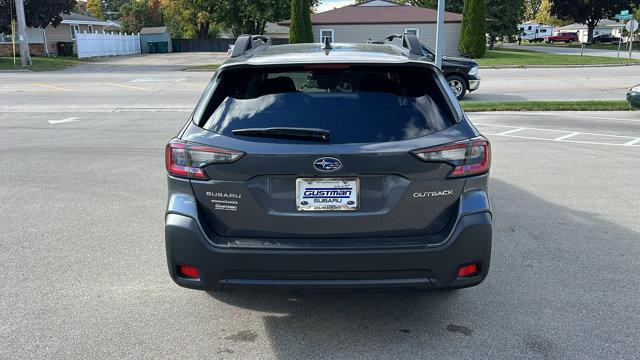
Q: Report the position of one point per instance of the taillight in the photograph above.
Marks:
(187, 159)
(468, 157)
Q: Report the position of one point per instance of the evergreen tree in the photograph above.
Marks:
(473, 36)
(300, 31)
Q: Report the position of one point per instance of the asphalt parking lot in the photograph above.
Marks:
(81, 241)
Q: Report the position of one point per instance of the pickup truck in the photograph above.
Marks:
(565, 37)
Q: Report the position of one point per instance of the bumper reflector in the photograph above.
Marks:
(468, 270)
(188, 272)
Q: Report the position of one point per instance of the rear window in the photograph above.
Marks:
(355, 104)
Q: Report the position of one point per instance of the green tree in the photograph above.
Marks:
(543, 16)
(589, 12)
(473, 33)
(137, 14)
(532, 7)
(38, 13)
(300, 22)
(251, 16)
(94, 7)
(192, 19)
(503, 18)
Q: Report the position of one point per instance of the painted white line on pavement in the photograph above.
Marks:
(63, 120)
(511, 131)
(632, 142)
(558, 114)
(560, 138)
(565, 141)
(556, 130)
(128, 86)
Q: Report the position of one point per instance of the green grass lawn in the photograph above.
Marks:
(517, 57)
(596, 105)
(40, 63)
(211, 67)
(578, 45)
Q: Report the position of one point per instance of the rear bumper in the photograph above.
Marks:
(425, 267)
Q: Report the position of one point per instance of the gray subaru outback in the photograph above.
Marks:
(328, 166)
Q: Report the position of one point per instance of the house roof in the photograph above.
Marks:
(153, 30)
(75, 18)
(273, 28)
(394, 14)
(604, 23)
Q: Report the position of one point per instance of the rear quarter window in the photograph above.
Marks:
(357, 104)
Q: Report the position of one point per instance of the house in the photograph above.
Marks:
(43, 41)
(604, 27)
(376, 19)
(534, 31)
(273, 30)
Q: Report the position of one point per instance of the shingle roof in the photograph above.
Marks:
(153, 30)
(401, 14)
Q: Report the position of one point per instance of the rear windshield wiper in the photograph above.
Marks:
(286, 132)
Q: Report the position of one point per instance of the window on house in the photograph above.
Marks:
(326, 33)
(74, 28)
(414, 31)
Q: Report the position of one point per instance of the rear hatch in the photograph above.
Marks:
(325, 152)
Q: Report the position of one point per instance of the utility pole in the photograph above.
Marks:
(25, 58)
(440, 35)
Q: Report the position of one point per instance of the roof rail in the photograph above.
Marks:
(245, 43)
(409, 41)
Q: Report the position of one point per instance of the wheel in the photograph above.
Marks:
(570, 41)
(458, 86)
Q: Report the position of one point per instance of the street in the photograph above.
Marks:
(155, 82)
(82, 239)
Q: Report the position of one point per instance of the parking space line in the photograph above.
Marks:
(563, 137)
(128, 86)
(63, 120)
(633, 142)
(511, 131)
(202, 86)
(47, 86)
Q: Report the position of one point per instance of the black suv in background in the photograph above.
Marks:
(461, 73)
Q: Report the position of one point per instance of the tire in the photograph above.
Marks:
(458, 86)
(570, 41)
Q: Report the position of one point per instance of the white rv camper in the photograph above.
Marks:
(535, 32)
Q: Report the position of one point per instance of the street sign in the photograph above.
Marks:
(632, 26)
(624, 12)
(624, 17)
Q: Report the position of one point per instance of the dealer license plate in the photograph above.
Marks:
(327, 194)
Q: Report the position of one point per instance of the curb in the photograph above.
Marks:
(16, 71)
(199, 70)
(557, 66)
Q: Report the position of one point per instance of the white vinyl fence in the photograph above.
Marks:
(105, 44)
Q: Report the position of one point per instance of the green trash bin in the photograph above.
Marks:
(153, 47)
(163, 47)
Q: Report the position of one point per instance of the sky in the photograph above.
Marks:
(326, 5)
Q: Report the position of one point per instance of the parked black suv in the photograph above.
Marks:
(320, 165)
(461, 73)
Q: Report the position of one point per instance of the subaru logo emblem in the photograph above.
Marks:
(327, 164)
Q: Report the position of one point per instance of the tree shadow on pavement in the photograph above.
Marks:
(563, 284)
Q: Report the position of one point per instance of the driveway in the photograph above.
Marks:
(563, 50)
(150, 62)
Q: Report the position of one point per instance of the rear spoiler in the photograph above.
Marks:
(245, 43)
